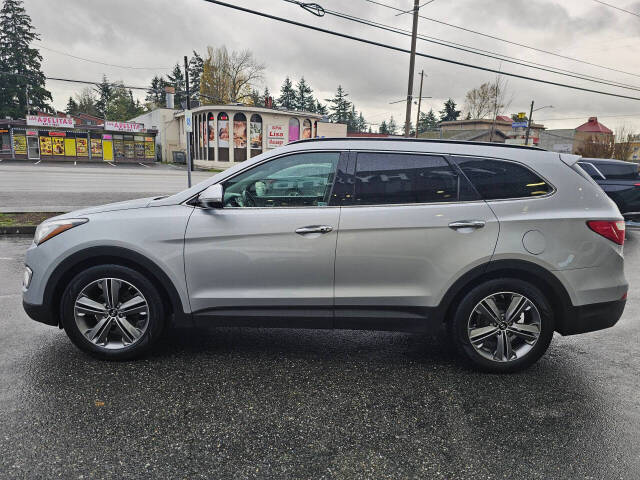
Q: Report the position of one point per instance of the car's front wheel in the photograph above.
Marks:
(112, 312)
(503, 325)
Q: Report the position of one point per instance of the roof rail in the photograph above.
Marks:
(404, 139)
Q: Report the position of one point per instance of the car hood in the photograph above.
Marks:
(110, 207)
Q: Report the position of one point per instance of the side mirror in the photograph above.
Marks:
(211, 197)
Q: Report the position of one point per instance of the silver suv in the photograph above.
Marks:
(502, 245)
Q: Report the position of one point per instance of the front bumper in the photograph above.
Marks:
(589, 318)
(40, 313)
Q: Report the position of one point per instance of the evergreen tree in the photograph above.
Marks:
(196, 66)
(352, 120)
(392, 126)
(21, 63)
(72, 107)
(287, 97)
(256, 98)
(449, 112)
(320, 108)
(105, 92)
(428, 121)
(383, 127)
(304, 97)
(361, 123)
(339, 106)
(155, 94)
(121, 105)
(176, 80)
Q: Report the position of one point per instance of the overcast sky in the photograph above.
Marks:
(158, 33)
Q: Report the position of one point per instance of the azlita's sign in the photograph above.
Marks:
(123, 126)
(46, 121)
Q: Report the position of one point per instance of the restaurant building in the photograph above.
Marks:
(71, 138)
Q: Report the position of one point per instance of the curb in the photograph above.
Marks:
(18, 230)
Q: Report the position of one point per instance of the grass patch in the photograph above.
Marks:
(24, 219)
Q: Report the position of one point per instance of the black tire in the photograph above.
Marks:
(458, 325)
(155, 322)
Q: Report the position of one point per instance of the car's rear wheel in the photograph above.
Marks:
(112, 312)
(503, 325)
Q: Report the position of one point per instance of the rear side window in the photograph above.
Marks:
(499, 179)
(393, 178)
(589, 168)
(619, 171)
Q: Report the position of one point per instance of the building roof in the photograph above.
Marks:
(233, 107)
(504, 118)
(593, 126)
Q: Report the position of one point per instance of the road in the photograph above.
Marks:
(253, 403)
(31, 187)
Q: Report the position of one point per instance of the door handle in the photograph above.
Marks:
(314, 229)
(467, 224)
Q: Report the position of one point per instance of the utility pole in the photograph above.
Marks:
(412, 63)
(526, 137)
(419, 101)
(188, 135)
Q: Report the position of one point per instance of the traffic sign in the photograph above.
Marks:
(188, 121)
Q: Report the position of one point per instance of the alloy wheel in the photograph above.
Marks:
(504, 326)
(111, 313)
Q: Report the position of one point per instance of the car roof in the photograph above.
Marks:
(609, 161)
(404, 139)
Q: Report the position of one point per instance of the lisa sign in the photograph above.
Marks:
(46, 121)
(123, 126)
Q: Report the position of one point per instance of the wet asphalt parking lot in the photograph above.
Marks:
(251, 403)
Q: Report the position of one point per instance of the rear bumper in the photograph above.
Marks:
(589, 318)
(40, 313)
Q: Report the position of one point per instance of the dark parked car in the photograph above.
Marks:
(620, 180)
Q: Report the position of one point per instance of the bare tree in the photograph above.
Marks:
(487, 99)
(623, 147)
(228, 77)
(597, 147)
(501, 100)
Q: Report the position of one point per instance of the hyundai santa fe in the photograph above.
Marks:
(501, 245)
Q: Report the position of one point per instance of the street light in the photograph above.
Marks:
(526, 138)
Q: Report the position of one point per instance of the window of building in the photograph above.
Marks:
(255, 134)
(390, 178)
(239, 137)
(223, 137)
(300, 180)
(294, 129)
(306, 129)
(498, 179)
(211, 128)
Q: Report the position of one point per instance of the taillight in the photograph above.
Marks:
(611, 229)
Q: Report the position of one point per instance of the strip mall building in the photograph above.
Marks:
(76, 138)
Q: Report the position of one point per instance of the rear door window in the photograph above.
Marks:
(619, 171)
(398, 178)
(500, 179)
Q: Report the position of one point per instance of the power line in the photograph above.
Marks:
(102, 63)
(507, 41)
(484, 53)
(419, 7)
(617, 8)
(398, 49)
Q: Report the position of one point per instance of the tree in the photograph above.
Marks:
(392, 126)
(72, 107)
(176, 80)
(624, 140)
(121, 105)
(20, 62)
(428, 121)
(304, 97)
(287, 98)
(156, 97)
(597, 147)
(479, 102)
(321, 108)
(383, 127)
(361, 124)
(104, 91)
(228, 78)
(265, 98)
(449, 112)
(86, 101)
(196, 66)
(339, 106)
(256, 98)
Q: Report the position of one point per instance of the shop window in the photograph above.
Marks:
(294, 129)
(239, 137)
(82, 146)
(223, 137)
(128, 147)
(139, 147)
(5, 141)
(149, 148)
(211, 127)
(306, 129)
(255, 134)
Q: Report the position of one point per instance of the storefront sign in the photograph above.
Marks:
(58, 145)
(32, 133)
(275, 142)
(20, 144)
(42, 121)
(45, 146)
(123, 126)
(81, 147)
(106, 137)
(276, 131)
(57, 134)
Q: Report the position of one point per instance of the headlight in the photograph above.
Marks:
(49, 229)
